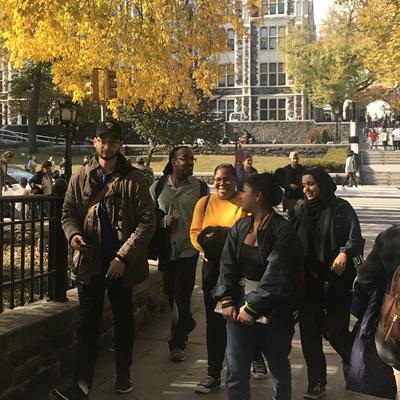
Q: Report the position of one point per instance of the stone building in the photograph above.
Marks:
(8, 112)
(254, 81)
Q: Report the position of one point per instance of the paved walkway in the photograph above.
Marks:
(156, 378)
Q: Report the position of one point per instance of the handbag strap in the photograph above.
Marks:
(103, 191)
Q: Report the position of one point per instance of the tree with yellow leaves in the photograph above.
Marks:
(329, 69)
(161, 49)
(378, 22)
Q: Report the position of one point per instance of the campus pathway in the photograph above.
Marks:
(156, 378)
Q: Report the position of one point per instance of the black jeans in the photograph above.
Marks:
(178, 280)
(91, 300)
(216, 337)
(316, 323)
(350, 177)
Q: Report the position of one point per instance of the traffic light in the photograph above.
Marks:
(110, 85)
(92, 87)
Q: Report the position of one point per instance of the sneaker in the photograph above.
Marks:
(177, 355)
(259, 370)
(72, 393)
(316, 392)
(123, 385)
(207, 385)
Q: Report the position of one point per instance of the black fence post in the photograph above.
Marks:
(58, 247)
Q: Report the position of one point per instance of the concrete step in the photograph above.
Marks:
(381, 178)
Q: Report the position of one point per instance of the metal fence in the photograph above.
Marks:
(33, 251)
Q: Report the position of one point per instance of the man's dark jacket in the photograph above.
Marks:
(130, 210)
(287, 176)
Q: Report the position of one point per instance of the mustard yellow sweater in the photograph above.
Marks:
(218, 213)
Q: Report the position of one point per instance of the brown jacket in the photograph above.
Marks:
(131, 214)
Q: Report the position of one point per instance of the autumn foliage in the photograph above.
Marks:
(162, 50)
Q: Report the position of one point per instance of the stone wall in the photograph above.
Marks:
(37, 341)
(291, 131)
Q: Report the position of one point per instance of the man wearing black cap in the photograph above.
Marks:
(108, 219)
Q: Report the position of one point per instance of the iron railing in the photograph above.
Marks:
(33, 250)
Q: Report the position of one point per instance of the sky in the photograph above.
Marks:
(321, 7)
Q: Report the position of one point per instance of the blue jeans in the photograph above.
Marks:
(275, 339)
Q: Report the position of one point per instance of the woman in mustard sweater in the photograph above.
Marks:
(212, 218)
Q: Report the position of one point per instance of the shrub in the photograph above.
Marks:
(318, 135)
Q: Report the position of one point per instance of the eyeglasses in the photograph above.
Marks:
(219, 181)
(109, 142)
(186, 158)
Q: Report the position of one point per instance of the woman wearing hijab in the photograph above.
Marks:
(261, 278)
(212, 218)
(330, 234)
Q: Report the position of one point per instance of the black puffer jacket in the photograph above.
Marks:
(282, 281)
(374, 276)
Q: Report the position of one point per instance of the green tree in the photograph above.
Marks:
(172, 127)
(33, 88)
(329, 69)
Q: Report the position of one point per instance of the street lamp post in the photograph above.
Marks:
(337, 111)
(68, 115)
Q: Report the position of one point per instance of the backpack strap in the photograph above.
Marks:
(203, 188)
(160, 186)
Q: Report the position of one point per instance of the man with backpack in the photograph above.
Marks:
(175, 195)
(108, 220)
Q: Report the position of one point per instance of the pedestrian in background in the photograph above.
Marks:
(289, 178)
(212, 218)
(350, 169)
(145, 170)
(396, 138)
(41, 182)
(32, 164)
(53, 164)
(384, 138)
(245, 171)
(330, 235)
(261, 276)
(6, 158)
(175, 195)
(104, 194)
(373, 139)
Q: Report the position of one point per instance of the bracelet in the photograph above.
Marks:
(227, 304)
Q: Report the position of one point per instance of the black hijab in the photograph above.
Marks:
(314, 223)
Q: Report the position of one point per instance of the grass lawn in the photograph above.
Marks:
(334, 161)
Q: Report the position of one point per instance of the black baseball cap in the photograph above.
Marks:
(109, 128)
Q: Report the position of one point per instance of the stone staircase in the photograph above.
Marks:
(380, 167)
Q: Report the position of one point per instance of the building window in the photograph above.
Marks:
(1, 113)
(227, 73)
(273, 109)
(227, 107)
(1, 81)
(270, 37)
(272, 74)
(273, 7)
(230, 34)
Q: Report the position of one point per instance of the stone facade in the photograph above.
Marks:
(37, 341)
(247, 56)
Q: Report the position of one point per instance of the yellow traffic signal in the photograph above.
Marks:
(110, 85)
(92, 87)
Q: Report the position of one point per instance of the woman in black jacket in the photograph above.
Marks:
(373, 278)
(330, 234)
(261, 277)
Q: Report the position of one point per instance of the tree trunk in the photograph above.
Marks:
(34, 109)
(152, 149)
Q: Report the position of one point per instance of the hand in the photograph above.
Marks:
(116, 269)
(339, 265)
(293, 186)
(78, 243)
(171, 221)
(244, 318)
(203, 256)
(229, 313)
